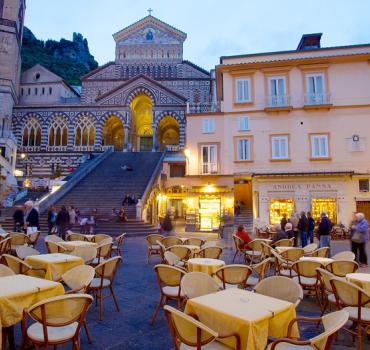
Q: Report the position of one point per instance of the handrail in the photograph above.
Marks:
(149, 186)
(52, 198)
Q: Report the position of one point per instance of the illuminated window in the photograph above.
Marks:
(58, 132)
(85, 132)
(278, 207)
(32, 133)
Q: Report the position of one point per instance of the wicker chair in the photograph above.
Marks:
(20, 267)
(286, 242)
(321, 252)
(169, 281)
(75, 237)
(153, 247)
(53, 327)
(182, 252)
(173, 260)
(170, 241)
(210, 252)
(189, 333)
(259, 272)
(355, 302)
(341, 268)
(105, 274)
(332, 322)
(6, 271)
(104, 252)
(280, 287)
(54, 247)
(100, 237)
(309, 248)
(327, 296)
(194, 241)
(239, 247)
(234, 275)
(5, 246)
(254, 251)
(87, 253)
(24, 251)
(347, 255)
(117, 245)
(196, 284)
(18, 240)
(53, 238)
(33, 238)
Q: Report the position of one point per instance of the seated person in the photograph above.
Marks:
(289, 230)
(280, 234)
(244, 236)
(122, 215)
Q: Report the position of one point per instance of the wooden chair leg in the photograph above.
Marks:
(114, 297)
(87, 331)
(157, 309)
(101, 304)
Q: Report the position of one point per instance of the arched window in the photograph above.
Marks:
(58, 132)
(85, 132)
(32, 133)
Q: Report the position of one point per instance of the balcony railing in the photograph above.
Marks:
(209, 168)
(317, 99)
(84, 148)
(203, 107)
(276, 101)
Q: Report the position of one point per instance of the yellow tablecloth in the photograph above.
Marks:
(55, 264)
(323, 261)
(360, 279)
(71, 245)
(252, 316)
(204, 265)
(19, 292)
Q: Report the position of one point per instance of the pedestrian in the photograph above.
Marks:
(72, 216)
(31, 218)
(311, 227)
(18, 219)
(280, 234)
(244, 236)
(52, 217)
(359, 239)
(294, 219)
(92, 220)
(283, 222)
(324, 230)
(303, 228)
(289, 230)
(62, 222)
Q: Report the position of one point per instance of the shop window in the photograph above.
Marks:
(363, 185)
(278, 207)
(208, 125)
(320, 146)
(244, 149)
(209, 213)
(324, 205)
(242, 88)
(243, 123)
(32, 133)
(177, 170)
(279, 147)
(58, 134)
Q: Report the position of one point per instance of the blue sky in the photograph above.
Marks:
(214, 28)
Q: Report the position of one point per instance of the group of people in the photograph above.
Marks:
(26, 219)
(129, 199)
(120, 215)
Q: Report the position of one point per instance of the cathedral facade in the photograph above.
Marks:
(139, 102)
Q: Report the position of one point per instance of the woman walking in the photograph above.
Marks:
(360, 237)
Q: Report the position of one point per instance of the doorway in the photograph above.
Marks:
(146, 143)
(243, 193)
(142, 119)
(113, 133)
(363, 207)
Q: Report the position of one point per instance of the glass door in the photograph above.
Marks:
(209, 159)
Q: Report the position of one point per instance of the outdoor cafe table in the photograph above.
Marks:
(323, 261)
(252, 316)
(19, 292)
(193, 248)
(360, 279)
(71, 245)
(55, 264)
(205, 265)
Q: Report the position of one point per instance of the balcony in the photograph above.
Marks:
(209, 168)
(278, 103)
(317, 100)
(206, 107)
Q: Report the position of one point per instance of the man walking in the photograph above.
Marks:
(303, 228)
(324, 231)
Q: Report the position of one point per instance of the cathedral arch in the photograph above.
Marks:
(58, 131)
(31, 135)
(141, 90)
(84, 131)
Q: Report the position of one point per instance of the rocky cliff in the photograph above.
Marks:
(68, 59)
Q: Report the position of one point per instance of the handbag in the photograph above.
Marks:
(357, 237)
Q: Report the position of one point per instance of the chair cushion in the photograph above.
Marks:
(286, 273)
(253, 253)
(95, 283)
(172, 291)
(353, 313)
(97, 261)
(215, 345)
(287, 346)
(308, 281)
(55, 334)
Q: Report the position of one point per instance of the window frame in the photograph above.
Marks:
(204, 122)
(315, 74)
(279, 136)
(312, 136)
(276, 77)
(240, 118)
(201, 162)
(236, 149)
(246, 79)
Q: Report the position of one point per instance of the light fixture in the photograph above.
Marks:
(187, 152)
(23, 155)
(18, 172)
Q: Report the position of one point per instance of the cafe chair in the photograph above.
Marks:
(18, 240)
(355, 301)
(332, 323)
(233, 276)
(58, 320)
(87, 253)
(341, 268)
(104, 278)
(173, 260)
(33, 238)
(321, 252)
(169, 282)
(54, 247)
(259, 272)
(162, 249)
(309, 248)
(5, 246)
(254, 251)
(75, 237)
(182, 252)
(280, 287)
(117, 244)
(327, 297)
(53, 238)
(285, 242)
(100, 237)
(239, 247)
(20, 267)
(347, 255)
(24, 251)
(170, 241)
(104, 252)
(194, 241)
(153, 247)
(6, 271)
(196, 284)
(210, 252)
(282, 267)
(190, 334)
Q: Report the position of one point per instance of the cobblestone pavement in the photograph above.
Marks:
(138, 294)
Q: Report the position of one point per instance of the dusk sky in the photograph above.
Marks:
(214, 28)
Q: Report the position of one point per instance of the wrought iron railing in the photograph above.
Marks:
(278, 101)
(317, 99)
(205, 107)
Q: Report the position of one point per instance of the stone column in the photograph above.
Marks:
(126, 132)
(154, 145)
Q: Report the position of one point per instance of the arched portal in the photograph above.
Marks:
(142, 118)
(168, 132)
(113, 133)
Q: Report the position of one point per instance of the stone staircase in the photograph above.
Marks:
(245, 218)
(105, 187)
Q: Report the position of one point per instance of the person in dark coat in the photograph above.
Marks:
(289, 230)
(325, 227)
(52, 216)
(18, 220)
(303, 228)
(31, 216)
(62, 222)
(283, 222)
(311, 227)
(280, 234)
